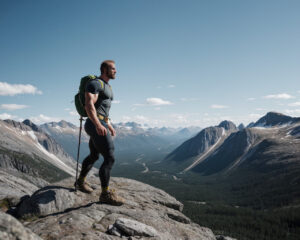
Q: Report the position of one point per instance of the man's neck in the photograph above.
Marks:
(104, 78)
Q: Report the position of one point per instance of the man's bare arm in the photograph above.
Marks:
(90, 100)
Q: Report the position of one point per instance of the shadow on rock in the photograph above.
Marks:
(46, 201)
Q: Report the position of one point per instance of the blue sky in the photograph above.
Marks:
(179, 63)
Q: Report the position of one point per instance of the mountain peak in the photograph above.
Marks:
(65, 124)
(31, 124)
(62, 124)
(227, 125)
(241, 126)
(275, 118)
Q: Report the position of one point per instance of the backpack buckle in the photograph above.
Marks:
(105, 119)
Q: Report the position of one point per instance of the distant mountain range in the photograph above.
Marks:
(266, 151)
(273, 139)
(131, 137)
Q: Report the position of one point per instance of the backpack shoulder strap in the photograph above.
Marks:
(101, 82)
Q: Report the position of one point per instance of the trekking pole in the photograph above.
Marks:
(78, 151)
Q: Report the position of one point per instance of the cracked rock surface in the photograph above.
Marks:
(57, 212)
(12, 229)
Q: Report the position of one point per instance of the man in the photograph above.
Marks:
(98, 98)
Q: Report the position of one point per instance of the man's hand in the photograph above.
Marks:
(112, 130)
(101, 130)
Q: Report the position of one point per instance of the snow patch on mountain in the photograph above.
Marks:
(56, 160)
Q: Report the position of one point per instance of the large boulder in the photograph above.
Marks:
(48, 200)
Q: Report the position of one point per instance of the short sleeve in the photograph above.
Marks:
(93, 87)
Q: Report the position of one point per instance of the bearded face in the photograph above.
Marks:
(111, 71)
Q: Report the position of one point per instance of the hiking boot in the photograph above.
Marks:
(83, 186)
(110, 197)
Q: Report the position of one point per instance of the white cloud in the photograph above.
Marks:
(141, 118)
(171, 86)
(237, 119)
(260, 109)
(295, 104)
(180, 118)
(293, 112)
(126, 119)
(216, 106)
(254, 115)
(138, 104)
(116, 101)
(157, 101)
(157, 108)
(251, 99)
(12, 107)
(73, 113)
(137, 118)
(189, 99)
(7, 89)
(279, 96)
(7, 116)
(43, 119)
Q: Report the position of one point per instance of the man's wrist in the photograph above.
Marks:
(98, 123)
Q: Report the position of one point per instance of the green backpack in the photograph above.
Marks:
(80, 96)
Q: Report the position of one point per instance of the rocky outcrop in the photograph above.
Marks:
(12, 189)
(12, 229)
(149, 213)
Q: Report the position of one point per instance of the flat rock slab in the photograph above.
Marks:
(129, 227)
(12, 229)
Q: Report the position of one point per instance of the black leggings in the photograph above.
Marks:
(99, 144)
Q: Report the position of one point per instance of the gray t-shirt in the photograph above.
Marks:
(105, 95)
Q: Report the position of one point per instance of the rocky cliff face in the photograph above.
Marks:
(26, 148)
(202, 144)
(57, 212)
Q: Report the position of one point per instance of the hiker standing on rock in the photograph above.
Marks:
(98, 98)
